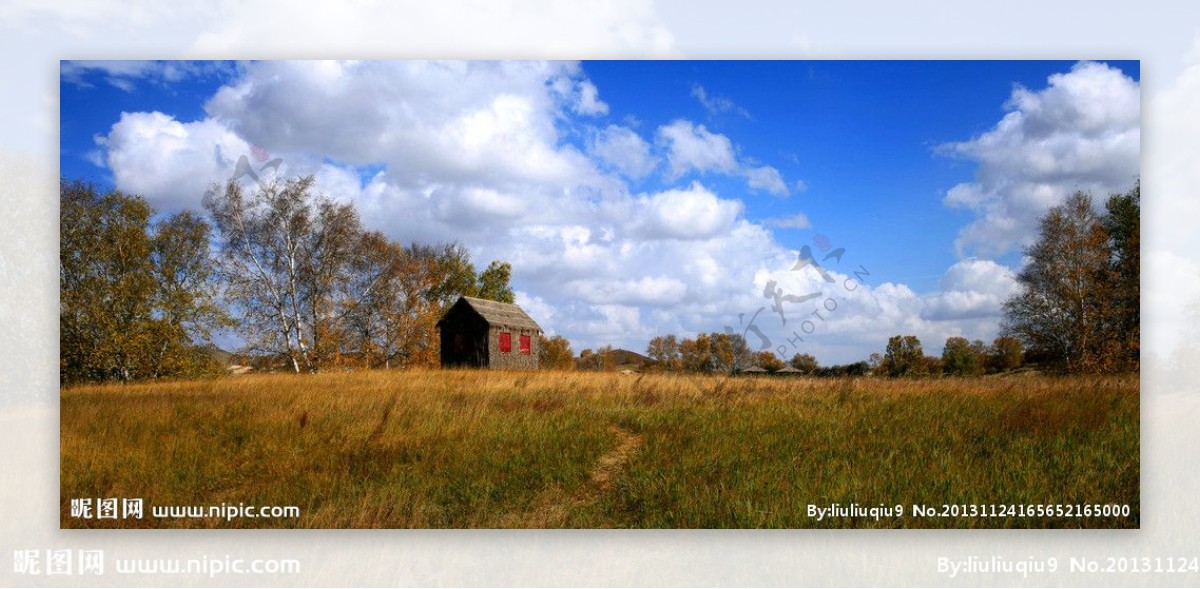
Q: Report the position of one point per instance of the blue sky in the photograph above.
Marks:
(644, 197)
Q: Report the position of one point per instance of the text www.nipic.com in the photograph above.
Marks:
(225, 510)
(206, 566)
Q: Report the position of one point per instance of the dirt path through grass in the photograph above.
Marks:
(552, 507)
(387, 412)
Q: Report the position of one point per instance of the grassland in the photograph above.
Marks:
(511, 449)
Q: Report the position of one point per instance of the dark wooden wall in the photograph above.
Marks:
(474, 332)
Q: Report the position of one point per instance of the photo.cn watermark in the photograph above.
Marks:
(825, 307)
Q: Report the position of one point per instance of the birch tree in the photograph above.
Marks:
(1066, 299)
(284, 252)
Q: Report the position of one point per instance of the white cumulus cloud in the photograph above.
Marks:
(1081, 132)
(168, 161)
(766, 178)
(796, 221)
(692, 147)
(971, 289)
(648, 290)
(589, 102)
(625, 150)
(691, 213)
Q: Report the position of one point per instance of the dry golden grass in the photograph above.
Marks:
(558, 449)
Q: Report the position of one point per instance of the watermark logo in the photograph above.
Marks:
(58, 562)
(826, 307)
(115, 508)
(260, 153)
(107, 508)
(243, 167)
(83, 563)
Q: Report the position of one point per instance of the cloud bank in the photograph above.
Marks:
(617, 234)
(1081, 132)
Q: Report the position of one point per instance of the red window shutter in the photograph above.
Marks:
(525, 345)
(505, 342)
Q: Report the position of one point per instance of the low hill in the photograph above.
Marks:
(618, 359)
(217, 354)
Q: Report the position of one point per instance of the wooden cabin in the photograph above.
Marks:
(488, 334)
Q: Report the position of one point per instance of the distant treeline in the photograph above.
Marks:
(1076, 311)
(904, 356)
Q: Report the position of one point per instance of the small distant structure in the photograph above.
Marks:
(238, 369)
(480, 333)
(789, 371)
(754, 370)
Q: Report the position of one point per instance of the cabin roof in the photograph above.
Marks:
(496, 314)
